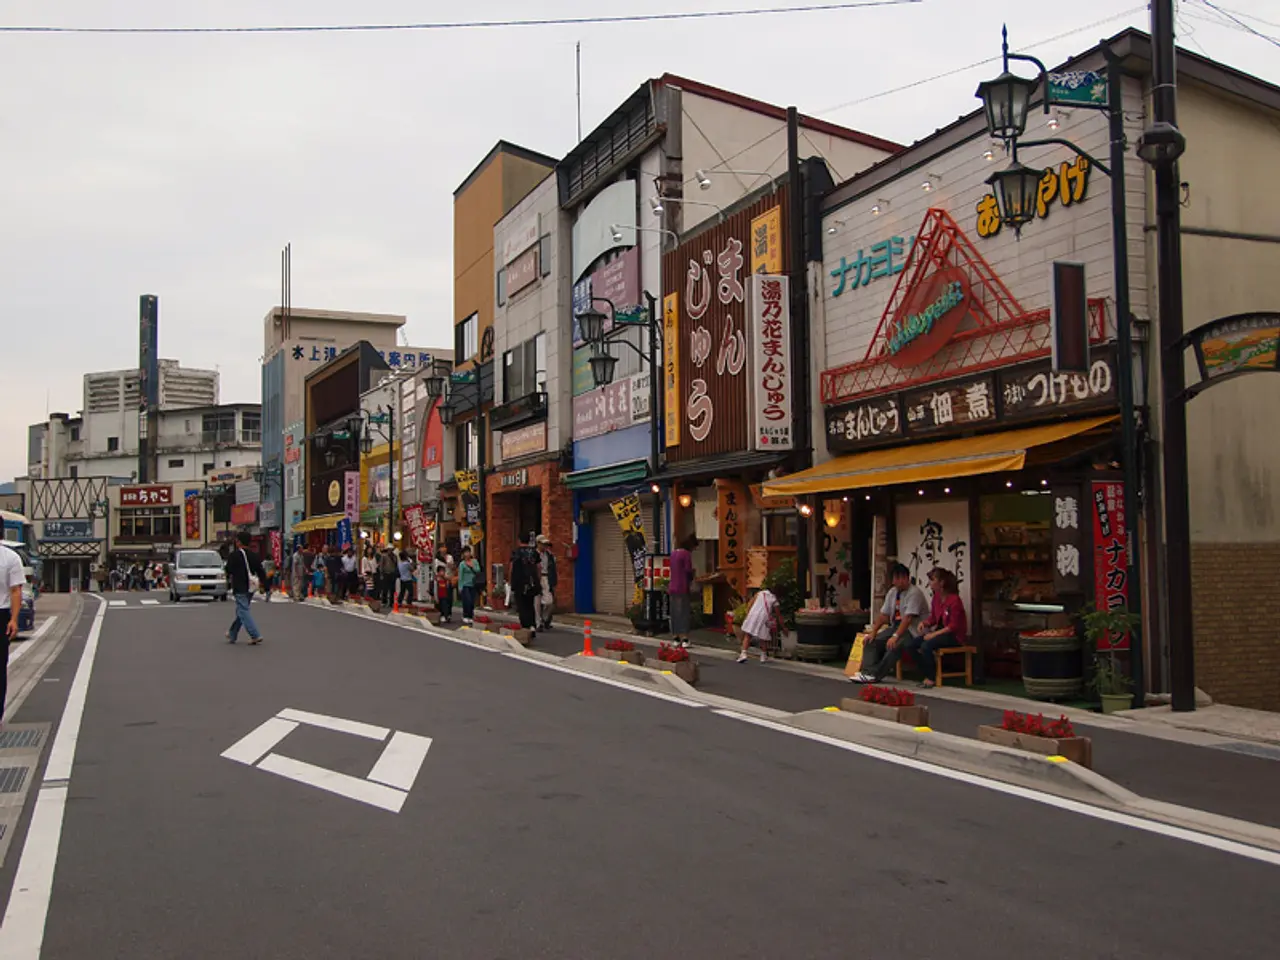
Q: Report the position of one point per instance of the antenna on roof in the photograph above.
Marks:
(577, 54)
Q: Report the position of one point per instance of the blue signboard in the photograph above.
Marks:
(344, 533)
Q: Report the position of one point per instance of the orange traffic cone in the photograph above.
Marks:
(586, 640)
(311, 592)
(395, 604)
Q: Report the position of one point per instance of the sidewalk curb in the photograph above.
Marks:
(29, 671)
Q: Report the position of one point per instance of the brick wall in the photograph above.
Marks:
(1236, 621)
(557, 523)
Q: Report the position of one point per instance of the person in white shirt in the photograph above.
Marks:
(897, 629)
(12, 579)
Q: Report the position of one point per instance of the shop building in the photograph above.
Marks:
(672, 157)
(148, 523)
(70, 521)
(950, 440)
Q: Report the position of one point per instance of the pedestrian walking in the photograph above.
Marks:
(369, 571)
(545, 602)
(468, 573)
(387, 577)
(12, 580)
(446, 580)
(408, 579)
(763, 624)
(679, 584)
(526, 581)
(241, 564)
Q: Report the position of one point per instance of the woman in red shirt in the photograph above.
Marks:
(947, 625)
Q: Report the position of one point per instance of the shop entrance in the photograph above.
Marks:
(529, 514)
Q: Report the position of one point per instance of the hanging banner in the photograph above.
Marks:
(191, 510)
(671, 365)
(469, 490)
(771, 362)
(344, 533)
(627, 512)
(731, 512)
(1110, 554)
(277, 548)
(351, 495)
(419, 533)
(766, 242)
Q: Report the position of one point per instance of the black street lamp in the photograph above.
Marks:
(1006, 99)
(602, 367)
(1016, 188)
(445, 410)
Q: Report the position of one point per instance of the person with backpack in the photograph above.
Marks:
(526, 581)
(241, 563)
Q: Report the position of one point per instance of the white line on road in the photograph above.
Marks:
(258, 742)
(118, 603)
(1062, 803)
(354, 727)
(151, 603)
(29, 643)
(22, 931)
(401, 760)
(353, 788)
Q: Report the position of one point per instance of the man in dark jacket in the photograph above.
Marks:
(241, 562)
(526, 581)
(546, 597)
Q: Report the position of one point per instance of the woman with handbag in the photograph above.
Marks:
(763, 624)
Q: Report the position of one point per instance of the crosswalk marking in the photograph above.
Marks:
(117, 603)
(151, 603)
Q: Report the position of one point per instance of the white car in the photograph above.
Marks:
(197, 573)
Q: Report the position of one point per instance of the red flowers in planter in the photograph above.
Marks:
(670, 654)
(620, 646)
(1035, 725)
(888, 696)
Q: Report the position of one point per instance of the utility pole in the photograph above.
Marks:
(798, 270)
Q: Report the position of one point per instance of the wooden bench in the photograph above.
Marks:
(941, 674)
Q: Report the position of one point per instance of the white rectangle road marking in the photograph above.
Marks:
(21, 651)
(401, 760)
(151, 603)
(354, 727)
(353, 788)
(259, 741)
(117, 603)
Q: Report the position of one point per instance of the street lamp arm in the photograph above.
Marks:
(627, 343)
(1059, 141)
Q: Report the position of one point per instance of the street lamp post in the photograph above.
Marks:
(603, 364)
(1006, 102)
(452, 400)
(366, 446)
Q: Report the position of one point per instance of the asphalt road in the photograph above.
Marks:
(558, 817)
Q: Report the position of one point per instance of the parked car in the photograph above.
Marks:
(197, 573)
(27, 615)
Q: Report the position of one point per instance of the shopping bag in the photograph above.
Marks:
(854, 663)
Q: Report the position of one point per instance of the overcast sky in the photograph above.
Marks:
(181, 165)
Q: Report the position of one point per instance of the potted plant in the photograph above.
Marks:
(1035, 734)
(1109, 681)
(677, 660)
(887, 703)
(625, 651)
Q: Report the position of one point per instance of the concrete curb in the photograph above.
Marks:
(971, 756)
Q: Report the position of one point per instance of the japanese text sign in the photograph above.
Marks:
(731, 515)
(771, 362)
(951, 404)
(191, 510)
(1067, 536)
(151, 496)
(1110, 554)
(603, 410)
(766, 242)
(1066, 186)
(671, 366)
(419, 534)
(627, 512)
(469, 490)
(1035, 391)
(885, 259)
(351, 495)
(856, 425)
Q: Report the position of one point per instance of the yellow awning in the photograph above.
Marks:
(940, 460)
(327, 522)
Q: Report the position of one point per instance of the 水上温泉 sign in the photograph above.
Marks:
(771, 362)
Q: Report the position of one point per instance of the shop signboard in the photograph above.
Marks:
(1079, 88)
(244, 514)
(639, 383)
(351, 495)
(522, 271)
(345, 537)
(731, 512)
(192, 509)
(771, 362)
(419, 535)
(766, 242)
(1067, 540)
(583, 380)
(1110, 554)
(603, 410)
(959, 403)
(931, 314)
(714, 343)
(66, 531)
(514, 478)
(1034, 390)
(863, 424)
(1243, 343)
(617, 281)
(277, 548)
(469, 490)
(379, 485)
(935, 534)
(522, 235)
(626, 511)
(671, 366)
(148, 496)
(522, 441)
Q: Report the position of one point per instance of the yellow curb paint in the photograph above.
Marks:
(830, 709)
(666, 673)
(923, 729)
(1057, 759)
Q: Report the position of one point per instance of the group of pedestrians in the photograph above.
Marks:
(532, 582)
(463, 578)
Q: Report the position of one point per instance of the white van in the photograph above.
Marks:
(197, 573)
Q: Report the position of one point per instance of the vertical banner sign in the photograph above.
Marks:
(277, 550)
(1110, 554)
(351, 496)
(191, 503)
(469, 490)
(1067, 534)
(671, 365)
(627, 512)
(766, 242)
(771, 362)
(344, 533)
(731, 513)
(419, 534)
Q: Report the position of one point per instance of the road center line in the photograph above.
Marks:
(22, 931)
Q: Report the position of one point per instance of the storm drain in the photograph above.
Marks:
(12, 739)
(12, 779)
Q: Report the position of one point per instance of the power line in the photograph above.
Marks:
(471, 24)
(980, 63)
(1240, 23)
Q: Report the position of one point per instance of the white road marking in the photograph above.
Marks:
(118, 603)
(30, 642)
(353, 788)
(258, 742)
(1047, 799)
(151, 603)
(22, 931)
(353, 727)
(402, 759)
